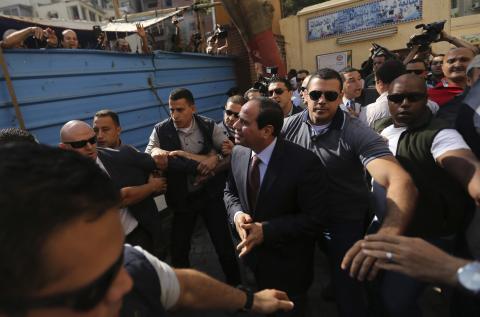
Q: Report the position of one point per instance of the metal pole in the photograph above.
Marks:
(11, 91)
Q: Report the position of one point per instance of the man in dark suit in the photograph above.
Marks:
(131, 172)
(276, 206)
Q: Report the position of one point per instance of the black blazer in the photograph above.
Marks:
(128, 167)
(290, 205)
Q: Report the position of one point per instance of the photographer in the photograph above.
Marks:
(15, 39)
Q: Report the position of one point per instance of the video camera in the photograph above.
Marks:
(220, 32)
(431, 33)
(263, 82)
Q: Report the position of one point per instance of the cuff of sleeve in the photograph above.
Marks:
(268, 233)
(235, 216)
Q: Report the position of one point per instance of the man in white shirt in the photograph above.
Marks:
(443, 168)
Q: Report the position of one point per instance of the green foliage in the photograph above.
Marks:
(291, 7)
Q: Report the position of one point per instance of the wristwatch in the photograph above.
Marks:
(468, 277)
(249, 303)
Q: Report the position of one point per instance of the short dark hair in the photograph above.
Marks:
(326, 74)
(271, 113)
(180, 93)
(347, 70)
(419, 60)
(245, 95)
(237, 99)
(16, 135)
(390, 70)
(281, 80)
(42, 189)
(108, 113)
(303, 71)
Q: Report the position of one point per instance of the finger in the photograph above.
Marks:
(246, 226)
(391, 266)
(349, 256)
(357, 264)
(382, 255)
(244, 252)
(281, 295)
(365, 268)
(285, 305)
(374, 271)
(380, 246)
(385, 238)
(242, 244)
(248, 218)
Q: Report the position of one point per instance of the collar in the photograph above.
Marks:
(189, 129)
(382, 97)
(345, 100)
(266, 153)
(337, 122)
(291, 110)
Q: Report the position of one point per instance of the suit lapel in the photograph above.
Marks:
(242, 164)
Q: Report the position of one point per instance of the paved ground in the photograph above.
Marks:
(203, 258)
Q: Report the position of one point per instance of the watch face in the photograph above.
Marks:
(469, 276)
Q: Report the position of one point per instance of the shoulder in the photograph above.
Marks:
(164, 123)
(204, 119)
(293, 122)
(295, 150)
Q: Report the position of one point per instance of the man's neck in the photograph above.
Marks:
(258, 149)
(287, 109)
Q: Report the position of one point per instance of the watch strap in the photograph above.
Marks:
(249, 302)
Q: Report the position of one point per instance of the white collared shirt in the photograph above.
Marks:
(264, 157)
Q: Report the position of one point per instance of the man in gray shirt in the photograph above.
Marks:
(347, 147)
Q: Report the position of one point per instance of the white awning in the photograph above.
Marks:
(132, 26)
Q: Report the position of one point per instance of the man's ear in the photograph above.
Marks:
(194, 108)
(63, 146)
(267, 131)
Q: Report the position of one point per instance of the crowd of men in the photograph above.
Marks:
(47, 38)
(389, 190)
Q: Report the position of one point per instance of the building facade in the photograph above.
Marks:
(339, 33)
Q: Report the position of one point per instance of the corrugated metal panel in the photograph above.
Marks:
(55, 86)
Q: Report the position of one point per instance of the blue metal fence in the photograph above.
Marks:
(55, 86)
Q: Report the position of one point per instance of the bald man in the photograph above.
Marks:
(69, 39)
(454, 68)
(131, 172)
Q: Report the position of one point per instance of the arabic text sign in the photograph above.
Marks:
(363, 17)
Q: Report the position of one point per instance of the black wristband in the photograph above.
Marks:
(249, 303)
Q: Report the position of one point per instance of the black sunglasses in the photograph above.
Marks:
(416, 71)
(231, 113)
(302, 89)
(412, 97)
(277, 91)
(82, 299)
(315, 95)
(82, 143)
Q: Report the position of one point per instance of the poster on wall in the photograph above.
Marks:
(337, 60)
(363, 17)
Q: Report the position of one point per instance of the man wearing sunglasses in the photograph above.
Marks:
(230, 116)
(346, 148)
(280, 90)
(131, 171)
(436, 157)
(63, 252)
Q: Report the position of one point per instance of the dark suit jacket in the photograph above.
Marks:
(290, 205)
(128, 167)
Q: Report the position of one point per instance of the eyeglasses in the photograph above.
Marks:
(82, 299)
(416, 71)
(277, 91)
(302, 89)
(435, 63)
(231, 113)
(82, 143)
(315, 95)
(412, 97)
(299, 80)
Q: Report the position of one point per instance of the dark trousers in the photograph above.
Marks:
(215, 218)
(400, 293)
(349, 293)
